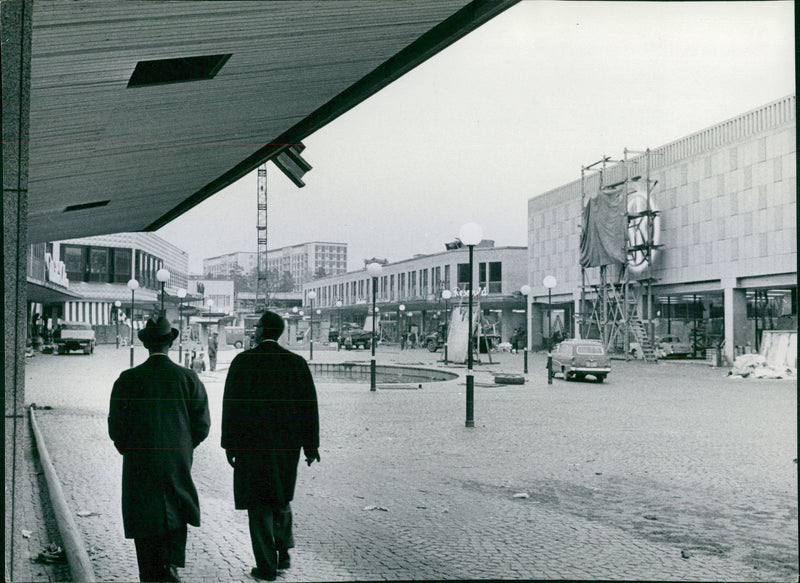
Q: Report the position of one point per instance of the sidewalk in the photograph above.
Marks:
(667, 471)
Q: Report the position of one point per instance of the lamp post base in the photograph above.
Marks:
(470, 422)
(131, 354)
(372, 375)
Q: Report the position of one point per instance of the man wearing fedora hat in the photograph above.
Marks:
(157, 415)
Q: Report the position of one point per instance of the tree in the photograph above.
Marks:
(286, 282)
(320, 273)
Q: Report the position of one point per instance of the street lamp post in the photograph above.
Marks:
(162, 275)
(549, 282)
(402, 309)
(470, 235)
(525, 290)
(311, 296)
(374, 269)
(446, 294)
(209, 305)
(292, 337)
(181, 294)
(133, 285)
(117, 304)
(339, 304)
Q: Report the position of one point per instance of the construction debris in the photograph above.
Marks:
(755, 366)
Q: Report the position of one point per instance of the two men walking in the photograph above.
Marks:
(159, 413)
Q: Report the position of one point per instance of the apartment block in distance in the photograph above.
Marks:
(222, 265)
(305, 261)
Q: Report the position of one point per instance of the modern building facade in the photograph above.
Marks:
(417, 284)
(306, 260)
(223, 265)
(723, 261)
(99, 268)
(216, 295)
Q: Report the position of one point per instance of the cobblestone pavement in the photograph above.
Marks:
(670, 472)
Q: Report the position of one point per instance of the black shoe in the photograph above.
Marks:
(284, 560)
(263, 574)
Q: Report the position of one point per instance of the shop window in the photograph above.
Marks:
(75, 262)
(463, 275)
(495, 277)
(122, 265)
(99, 264)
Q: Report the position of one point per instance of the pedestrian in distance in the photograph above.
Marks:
(269, 412)
(198, 362)
(212, 351)
(157, 416)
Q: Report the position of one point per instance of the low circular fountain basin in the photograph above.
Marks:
(388, 375)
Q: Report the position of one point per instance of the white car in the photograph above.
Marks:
(674, 346)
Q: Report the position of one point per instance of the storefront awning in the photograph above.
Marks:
(43, 292)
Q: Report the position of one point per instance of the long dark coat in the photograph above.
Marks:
(269, 411)
(158, 414)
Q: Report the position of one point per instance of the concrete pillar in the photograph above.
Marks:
(15, 25)
(735, 317)
(538, 315)
(15, 35)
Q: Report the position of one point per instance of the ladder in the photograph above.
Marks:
(640, 333)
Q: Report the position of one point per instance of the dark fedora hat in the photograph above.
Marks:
(158, 331)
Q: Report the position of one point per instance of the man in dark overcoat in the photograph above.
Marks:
(269, 412)
(158, 414)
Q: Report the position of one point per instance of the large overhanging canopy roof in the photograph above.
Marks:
(108, 155)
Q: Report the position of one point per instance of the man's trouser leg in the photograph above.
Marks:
(270, 531)
(155, 554)
(212, 361)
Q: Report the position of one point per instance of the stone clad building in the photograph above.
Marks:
(724, 242)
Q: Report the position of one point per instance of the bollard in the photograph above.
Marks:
(525, 357)
(549, 369)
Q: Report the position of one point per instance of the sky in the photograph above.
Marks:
(508, 112)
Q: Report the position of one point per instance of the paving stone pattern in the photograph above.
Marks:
(669, 472)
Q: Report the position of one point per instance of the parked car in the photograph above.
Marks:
(333, 333)
(234, 336)
(673, 346)
(74, 336)
(351, 339)
(435, 340)
(577, 358)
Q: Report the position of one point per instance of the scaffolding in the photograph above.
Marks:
(614, 314)
(262, 288)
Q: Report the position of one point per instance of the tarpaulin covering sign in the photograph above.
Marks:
(605, 226)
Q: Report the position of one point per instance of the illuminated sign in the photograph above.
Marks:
(642, 232)
(464, 293)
